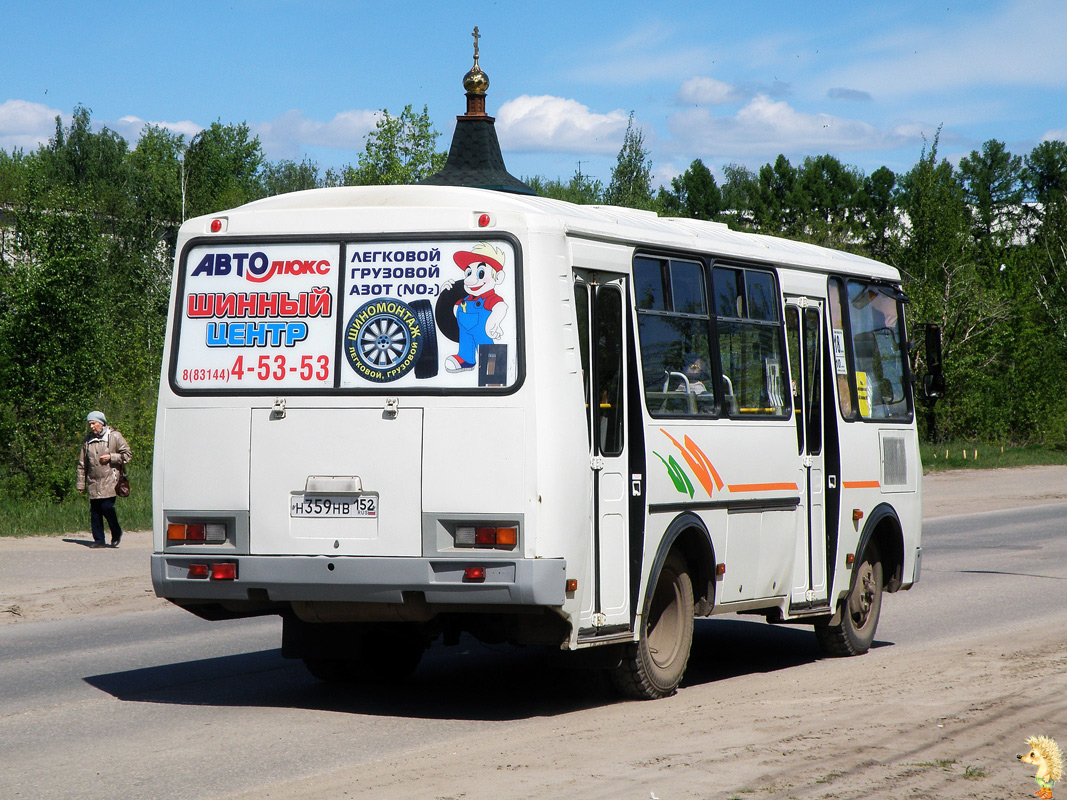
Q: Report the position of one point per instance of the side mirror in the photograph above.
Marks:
(934, 379)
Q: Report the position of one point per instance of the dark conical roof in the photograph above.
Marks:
(474, 159)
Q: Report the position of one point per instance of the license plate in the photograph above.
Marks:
(332, 506)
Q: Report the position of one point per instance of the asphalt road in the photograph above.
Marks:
(159, 704)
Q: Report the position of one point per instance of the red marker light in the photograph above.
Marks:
(216, 225)
(198, 571)
(226, 571)
(474, 574)
(483, 221)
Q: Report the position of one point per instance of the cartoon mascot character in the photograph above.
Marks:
(481, 311)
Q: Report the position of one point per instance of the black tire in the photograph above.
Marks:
(386, 654)
(446, 310)
(859, 611)
(426, 366)
(653, 666)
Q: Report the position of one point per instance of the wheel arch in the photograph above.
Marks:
(883, 529)
(688, 534)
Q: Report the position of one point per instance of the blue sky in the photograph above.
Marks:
(726, 82)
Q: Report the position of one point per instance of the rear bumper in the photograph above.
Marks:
(528, 582)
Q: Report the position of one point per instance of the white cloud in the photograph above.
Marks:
(1056, 135)
(130, 128)
(289, 135)
(703, 91)
(26, 125)
(556, 124)
(765, 127)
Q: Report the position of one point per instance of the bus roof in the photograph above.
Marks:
(607, 223)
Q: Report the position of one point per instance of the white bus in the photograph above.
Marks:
(392, 414)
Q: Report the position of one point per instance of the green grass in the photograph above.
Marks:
(23, 518)
(983, 455)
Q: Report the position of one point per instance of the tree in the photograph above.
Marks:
(53, 347)
(155, 187)
(631, 178)
(938, 258)
(824, 195)
(992, 181)
(288, 176)
(222, 169)
(400, 150)
(11, 169)
(876, 206)
(739, 193)
(693, 194)
(1045, 180)
(580, 189)
(774, 205)
(1045, 173)
(93, 164)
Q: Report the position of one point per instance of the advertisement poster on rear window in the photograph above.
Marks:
(258, 317)
(429, 314)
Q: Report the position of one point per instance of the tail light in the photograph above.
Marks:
(196, 532)
(504, 537)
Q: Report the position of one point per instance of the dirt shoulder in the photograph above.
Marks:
(52, 577)
(941, 722)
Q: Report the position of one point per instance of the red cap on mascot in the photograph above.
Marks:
(481, 252)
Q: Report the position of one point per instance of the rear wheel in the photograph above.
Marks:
(653, 666)
(859, 612)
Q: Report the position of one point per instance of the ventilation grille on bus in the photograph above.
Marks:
(894, 461)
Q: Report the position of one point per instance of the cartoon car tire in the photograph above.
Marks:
(381, 341)
(426, 366)
(446, 310)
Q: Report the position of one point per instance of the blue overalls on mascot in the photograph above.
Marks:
(481, 312)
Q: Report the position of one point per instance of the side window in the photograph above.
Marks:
(673, 325)
(749, 325)
(877, 322)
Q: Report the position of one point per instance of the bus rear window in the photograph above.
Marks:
(347, 315)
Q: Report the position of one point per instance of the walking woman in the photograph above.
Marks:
(103, 453)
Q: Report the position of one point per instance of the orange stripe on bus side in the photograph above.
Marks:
(763, 487)
(861, 485)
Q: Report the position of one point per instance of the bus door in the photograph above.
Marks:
(804, 330)
(600, 303)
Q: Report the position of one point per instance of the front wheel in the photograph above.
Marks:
(654, 665)
(859, 612)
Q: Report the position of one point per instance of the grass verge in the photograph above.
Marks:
(983, 455)
(33, 518)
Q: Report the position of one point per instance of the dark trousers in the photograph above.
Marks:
(99, 510)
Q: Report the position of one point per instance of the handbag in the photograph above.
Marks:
(122, 486)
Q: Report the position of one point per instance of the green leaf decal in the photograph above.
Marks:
(685, 478)
(676, 473)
